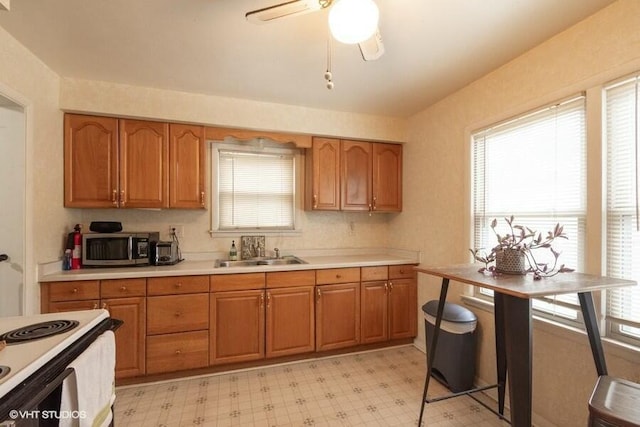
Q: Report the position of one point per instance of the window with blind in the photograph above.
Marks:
(534, 167)
(254, 188)
(622, 117)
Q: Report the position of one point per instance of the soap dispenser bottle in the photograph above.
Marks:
(233, 252)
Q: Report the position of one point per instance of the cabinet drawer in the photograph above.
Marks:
(57, 307)
(338, 275)
(177, 313)
(237, 282)
(121, 288)
(284, 279)
(375, 273)
(73, 291)
(405, 271)
(177, 285)
(176, 352)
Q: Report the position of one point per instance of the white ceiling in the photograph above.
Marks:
(433, 47)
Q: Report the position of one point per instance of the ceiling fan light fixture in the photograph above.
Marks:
(353, 21)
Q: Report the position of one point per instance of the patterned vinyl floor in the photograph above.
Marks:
(377, 388)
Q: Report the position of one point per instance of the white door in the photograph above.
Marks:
(12, 200)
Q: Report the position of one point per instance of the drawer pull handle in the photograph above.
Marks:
(178, 314)
(123, 201)
(315, 201)
(178, 352)
(318, 293)
(338, 276)
(95, 305)
(390, 286)
(386, 286)
(74, 291)
(178, 285)
(401, 271)
(123, 289)
(202, 199)
(105, 306)
(114, 197)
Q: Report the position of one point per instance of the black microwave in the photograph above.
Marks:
(117, 249)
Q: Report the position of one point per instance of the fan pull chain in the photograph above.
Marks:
(327, 74)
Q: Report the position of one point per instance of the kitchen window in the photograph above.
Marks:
(534, 167)
(254, 187)
(622, 138)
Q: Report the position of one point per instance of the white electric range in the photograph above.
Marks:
(24, 360)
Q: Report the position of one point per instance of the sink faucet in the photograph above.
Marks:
(277, 251)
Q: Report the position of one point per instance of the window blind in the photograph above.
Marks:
(256, 190)
(622, 234)
(534, 167)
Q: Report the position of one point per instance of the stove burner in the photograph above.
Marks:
(4, 370)
(38, 331)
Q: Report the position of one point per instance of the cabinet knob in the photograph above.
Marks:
(74, 291)
(178, 285)
(123, 288)
(178, 352)
(401, 271)
(178, 314)
(338, 276)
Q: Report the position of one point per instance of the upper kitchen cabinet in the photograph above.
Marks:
(144, 152)
(186, 166)
(353, 176)
(322, 185)
(124, 163)
(371, 176)
(90, 161)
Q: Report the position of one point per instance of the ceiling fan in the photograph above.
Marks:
(350, 21)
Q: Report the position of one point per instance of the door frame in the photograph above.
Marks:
(30, 292)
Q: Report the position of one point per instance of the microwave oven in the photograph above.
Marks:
(117, 249)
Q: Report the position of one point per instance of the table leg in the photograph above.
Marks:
(431, 352)
(501, 360)
(591, 325)
(518, 345)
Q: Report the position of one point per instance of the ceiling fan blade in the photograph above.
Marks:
(283, 10)
(372, 48)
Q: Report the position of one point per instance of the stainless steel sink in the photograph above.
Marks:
(287, 260)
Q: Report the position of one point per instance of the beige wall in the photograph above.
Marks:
(29, 82)
(437, 194)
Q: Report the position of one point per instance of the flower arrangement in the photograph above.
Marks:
(514, 248)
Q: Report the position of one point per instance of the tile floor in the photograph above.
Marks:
(376, 388)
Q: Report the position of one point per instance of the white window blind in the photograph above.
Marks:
(534, 167)
(256, 190)
(623, 237)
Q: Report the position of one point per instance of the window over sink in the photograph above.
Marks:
(254, 187)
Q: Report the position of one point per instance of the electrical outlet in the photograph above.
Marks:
(179, 230)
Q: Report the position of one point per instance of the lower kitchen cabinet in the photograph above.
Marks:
(403, 301)
(337, 316)
(237, 326)
(374, 312)
(130, 345)
(290, 327)
(177, 352)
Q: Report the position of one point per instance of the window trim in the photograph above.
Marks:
(253, 146)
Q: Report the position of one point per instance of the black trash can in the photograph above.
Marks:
(454, 364)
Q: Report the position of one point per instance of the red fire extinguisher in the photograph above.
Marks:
(76, 253)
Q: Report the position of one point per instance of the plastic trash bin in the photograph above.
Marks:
(454, 364)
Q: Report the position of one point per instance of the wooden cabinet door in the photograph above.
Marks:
(90, 161)
(290, 321)
(356, 180)
(323, 175)
(130, 337)
(387, 177)
(144, 154)
(403, 302)
(374, 312)
(186, 166)
(237, 326)
(337, 316)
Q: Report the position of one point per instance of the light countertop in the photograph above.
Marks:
(203, 264)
